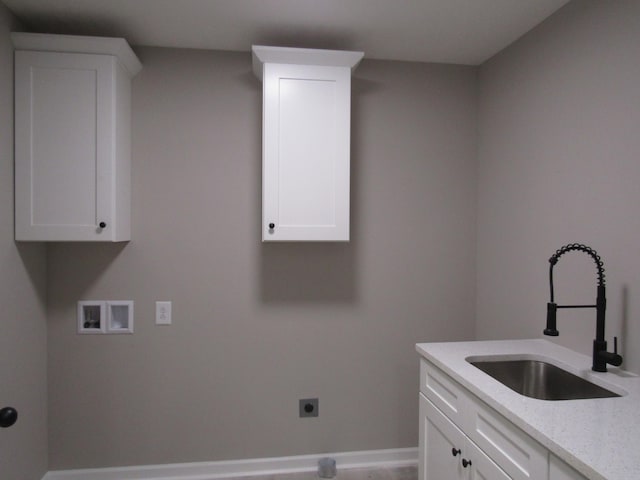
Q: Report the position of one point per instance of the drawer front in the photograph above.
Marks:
(513, 450)
(445, 393)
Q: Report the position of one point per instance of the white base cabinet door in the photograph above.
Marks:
(72, 141)
(441, 444)
(447, 453)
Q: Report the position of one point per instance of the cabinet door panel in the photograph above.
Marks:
(63, 155)
(306, 152)
(63, 120)
(438, 438)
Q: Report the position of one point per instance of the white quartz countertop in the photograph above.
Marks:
(598, 437)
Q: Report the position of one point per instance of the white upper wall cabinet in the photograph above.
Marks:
(73, 137)
(305, 142)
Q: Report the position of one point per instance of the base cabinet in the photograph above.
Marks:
(462, 438)
(449, 453)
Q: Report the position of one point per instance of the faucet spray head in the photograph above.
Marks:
(551, 329)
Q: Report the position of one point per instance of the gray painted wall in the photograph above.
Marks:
(259, 326)
(558, 163)
(23, 347)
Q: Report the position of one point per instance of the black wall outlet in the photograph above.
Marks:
(308, 407)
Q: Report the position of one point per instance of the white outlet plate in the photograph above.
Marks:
(163, 313)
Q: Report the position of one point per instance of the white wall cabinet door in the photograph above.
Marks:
(306, 152)
(72, 145)
(305, 142)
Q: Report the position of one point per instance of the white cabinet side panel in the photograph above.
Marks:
(121, 188)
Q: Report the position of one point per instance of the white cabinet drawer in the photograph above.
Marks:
(513, 450)
(445, 393)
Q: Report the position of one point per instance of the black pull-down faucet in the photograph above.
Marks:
(600, 355)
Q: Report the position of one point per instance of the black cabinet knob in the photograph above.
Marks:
(272, 226)
(465, 462)
(8, 417)
(102, 225)
(455, 451)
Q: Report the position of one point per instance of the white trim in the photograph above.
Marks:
(240, 468)
(45, 42)
(302, 56)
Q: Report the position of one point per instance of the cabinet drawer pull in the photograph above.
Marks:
(455, 451)
(272, 226)
(102, 224)
(466, 463)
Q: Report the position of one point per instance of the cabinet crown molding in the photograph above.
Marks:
(45, 42)
(303, 56)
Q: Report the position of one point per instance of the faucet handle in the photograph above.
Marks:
(612, 358)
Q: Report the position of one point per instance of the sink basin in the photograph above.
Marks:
(541, 380)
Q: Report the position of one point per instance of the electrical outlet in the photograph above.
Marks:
(308, 407)
(163, 313)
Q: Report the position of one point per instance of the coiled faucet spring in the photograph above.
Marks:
(580, 248)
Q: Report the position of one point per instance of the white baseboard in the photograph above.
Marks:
(241, 468)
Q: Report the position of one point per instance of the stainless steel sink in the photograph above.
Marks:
(541, 380)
